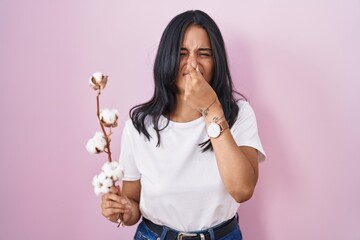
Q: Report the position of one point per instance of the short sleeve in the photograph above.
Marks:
(127, 158)
(245, 131)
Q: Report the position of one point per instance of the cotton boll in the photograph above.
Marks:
(98, 81)
(95, 181)
(106, 168)
(96, 144)
(113, 170)
(109, 117)
(101, 177)
(100, 144)
(97, 185)
(90, 146)
(105, 114)
(97, 76)
(107, 184)
(101, 183)
(115, 111)
(98, 135)
(97, 191)
(118, 173)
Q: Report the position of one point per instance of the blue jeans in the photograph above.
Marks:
(144, 233)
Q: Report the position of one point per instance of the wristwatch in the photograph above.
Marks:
(214, 129)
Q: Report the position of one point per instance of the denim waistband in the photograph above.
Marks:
(215, 232)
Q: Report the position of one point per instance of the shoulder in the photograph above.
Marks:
(135, 128)
(244, 108)
(246, 114)
(130, 124)
(242, 103)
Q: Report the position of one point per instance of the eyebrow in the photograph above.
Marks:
(199, 49)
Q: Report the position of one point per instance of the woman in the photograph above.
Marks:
(190, 154)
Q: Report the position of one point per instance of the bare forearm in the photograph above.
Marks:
(237, 167)
(135, 214)
(132, 190)
(236, 171)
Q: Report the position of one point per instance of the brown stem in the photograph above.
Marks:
(121, 215)
(106, 136)
(102, 126)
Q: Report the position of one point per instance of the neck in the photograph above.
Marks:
(182, 112)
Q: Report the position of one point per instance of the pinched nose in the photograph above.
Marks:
(192, 62)
(188, 69)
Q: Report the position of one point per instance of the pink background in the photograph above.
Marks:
(297, 62)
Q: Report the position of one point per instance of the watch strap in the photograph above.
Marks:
(223, 125)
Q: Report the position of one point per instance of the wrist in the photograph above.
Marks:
(214, 129)
(215, 120)
(215, 113)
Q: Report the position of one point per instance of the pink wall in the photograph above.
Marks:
(297, 62)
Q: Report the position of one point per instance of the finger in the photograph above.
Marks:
(115, 198)
(115, 207)
(108, 197)
(112, 197)
(113, 213)
(191, 66)
(115, 189)
(191, 61)
(198, 69)
(109, 212)
(187, 85)
(187, 80)
(195, 73)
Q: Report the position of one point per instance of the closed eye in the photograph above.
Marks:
(201, 52)
(205, 54)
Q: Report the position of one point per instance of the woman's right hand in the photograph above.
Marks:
(115, 203)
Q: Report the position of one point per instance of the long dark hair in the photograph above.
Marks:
(166, 67)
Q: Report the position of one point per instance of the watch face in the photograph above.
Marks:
(213, 130)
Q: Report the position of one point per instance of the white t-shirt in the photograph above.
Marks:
(181, 186)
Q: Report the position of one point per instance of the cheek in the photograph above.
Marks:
(182, 64)
(209, 72)
(179, 76)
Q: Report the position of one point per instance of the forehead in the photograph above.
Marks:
(195, 37)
